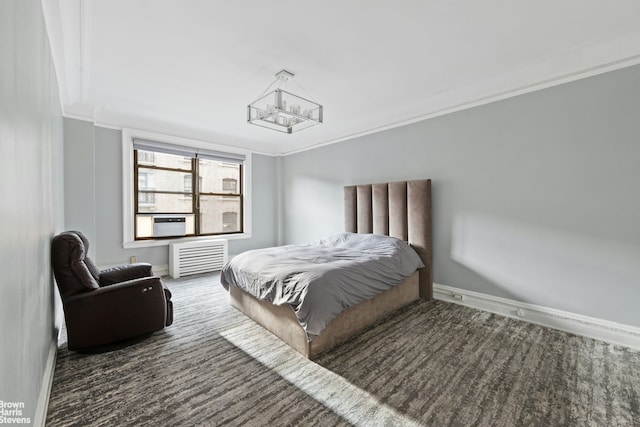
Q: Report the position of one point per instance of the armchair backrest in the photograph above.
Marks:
(74, 271)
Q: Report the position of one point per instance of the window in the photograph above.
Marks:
(144, 196)
(146, 157)
(188, 183)
(229, 220)
(229, 184)
(202, 185)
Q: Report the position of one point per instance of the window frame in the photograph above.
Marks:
(128, 187)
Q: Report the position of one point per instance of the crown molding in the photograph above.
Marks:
(495, 97)
(476, 102)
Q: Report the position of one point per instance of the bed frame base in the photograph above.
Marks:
(281, 321)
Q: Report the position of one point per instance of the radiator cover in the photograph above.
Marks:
(197, 257)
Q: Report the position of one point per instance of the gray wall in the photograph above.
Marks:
(31, 199)
(97, 161)
(79, 179)
(535, 198)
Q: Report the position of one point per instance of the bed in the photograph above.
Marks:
(398, 209)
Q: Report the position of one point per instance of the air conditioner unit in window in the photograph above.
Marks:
(169, 225)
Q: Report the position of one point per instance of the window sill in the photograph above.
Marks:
(167, 242)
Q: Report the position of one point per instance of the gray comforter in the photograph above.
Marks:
(321, 279)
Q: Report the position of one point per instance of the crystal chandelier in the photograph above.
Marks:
(282, 110)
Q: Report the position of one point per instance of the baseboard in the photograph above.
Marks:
(40, 415)
(591, 327)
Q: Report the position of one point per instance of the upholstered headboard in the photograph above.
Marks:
(398, 209)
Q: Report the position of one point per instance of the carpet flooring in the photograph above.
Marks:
(431, 363)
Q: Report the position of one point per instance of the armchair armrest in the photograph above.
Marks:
(129, 290)
(124, 273)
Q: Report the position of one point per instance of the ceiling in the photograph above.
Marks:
(189, 68)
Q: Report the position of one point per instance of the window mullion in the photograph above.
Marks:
(135, 193)
(241, 188)
(195, 187)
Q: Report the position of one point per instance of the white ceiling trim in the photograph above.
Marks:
(66, 39)
(635, 60)
(482, 101)
(85, 46)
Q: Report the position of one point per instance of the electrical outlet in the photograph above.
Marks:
(133, 260)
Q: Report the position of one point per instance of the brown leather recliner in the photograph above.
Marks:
(108, 306)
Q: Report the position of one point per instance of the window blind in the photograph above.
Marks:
(183, 150)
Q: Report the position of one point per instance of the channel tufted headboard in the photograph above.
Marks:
(398, 209)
